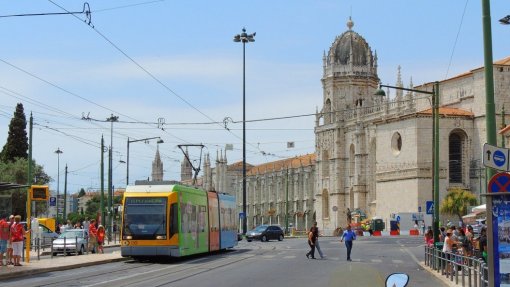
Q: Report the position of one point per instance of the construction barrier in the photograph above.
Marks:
(376, 233)
(414, 232)
(395, 232)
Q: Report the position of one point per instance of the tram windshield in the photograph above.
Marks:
(145, 218)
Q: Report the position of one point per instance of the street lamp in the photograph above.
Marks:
(127, 160)
(505, 20)
(244, 38)
(111, 119)
(58, 152)
(435, 146)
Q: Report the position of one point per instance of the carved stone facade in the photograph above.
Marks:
(372, 152)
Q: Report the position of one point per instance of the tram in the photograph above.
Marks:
(171, 220)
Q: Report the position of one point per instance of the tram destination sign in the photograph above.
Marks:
(496, 157)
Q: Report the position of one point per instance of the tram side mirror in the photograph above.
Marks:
(397, 280)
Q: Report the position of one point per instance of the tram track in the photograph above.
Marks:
(182, 271)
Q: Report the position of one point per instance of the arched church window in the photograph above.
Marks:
(325, 204)
(325, 163)
(327, 112)
(351, 161)
(455, 157)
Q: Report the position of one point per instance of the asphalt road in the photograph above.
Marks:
(260, 264)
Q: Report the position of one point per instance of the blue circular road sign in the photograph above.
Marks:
(499, 158)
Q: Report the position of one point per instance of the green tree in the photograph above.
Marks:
(16, 172)
(82, 192)
(93, 206)
(457, 202)
(17, 140)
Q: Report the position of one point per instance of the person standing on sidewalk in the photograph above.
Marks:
(4, 237)
(92, 235)
(9, 258)
(349, 236)
(17, 234)
(100, 239)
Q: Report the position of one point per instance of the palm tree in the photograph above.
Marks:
(457, 201)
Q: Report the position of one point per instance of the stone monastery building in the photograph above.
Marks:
(373, 153)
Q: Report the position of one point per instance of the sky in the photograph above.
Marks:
(170, 69)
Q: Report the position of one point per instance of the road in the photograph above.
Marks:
(260, 264)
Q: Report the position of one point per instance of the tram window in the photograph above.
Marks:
(174, 219)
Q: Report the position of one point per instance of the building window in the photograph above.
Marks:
(455, 158)
(325, 204)
(396, 143)
(325, 163)
(328, 115)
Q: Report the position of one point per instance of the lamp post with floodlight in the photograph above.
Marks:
(244, 38)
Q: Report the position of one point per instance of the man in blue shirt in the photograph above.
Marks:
(349, 236)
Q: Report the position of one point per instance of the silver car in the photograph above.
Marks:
(75, 240)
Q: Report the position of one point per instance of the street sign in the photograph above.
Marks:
(499, 183)
(241, 215)
(53, 201)
(398, 218)
(430, 207)
(496, 157)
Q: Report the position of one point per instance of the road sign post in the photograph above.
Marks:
(496, 157)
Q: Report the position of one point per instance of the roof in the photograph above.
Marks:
(449, 112)
(295, 162)
(502, 62)
(8, 185)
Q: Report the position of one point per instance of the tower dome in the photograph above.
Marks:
(351, 48)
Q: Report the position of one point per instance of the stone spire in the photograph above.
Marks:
(157, 167)
(186, 169)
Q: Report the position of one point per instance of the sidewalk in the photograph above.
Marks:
(59, 263)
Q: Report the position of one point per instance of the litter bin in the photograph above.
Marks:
(377, 225)
(439, 245)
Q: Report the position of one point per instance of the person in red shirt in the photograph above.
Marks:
(17, 234)
(4, 237)
(92, 235)
(100, 239)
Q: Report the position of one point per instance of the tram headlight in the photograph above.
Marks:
(161, 237)
(128, 237)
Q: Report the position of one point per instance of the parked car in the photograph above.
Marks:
(265, 233)
(75, 241)
(47, 236)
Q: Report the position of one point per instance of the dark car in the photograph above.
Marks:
(265, 233)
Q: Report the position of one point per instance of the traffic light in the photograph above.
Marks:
(39, 192)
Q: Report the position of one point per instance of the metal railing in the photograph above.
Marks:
(464, 270)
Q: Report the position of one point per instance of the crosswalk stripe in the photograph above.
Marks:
(397, 261)
(376, 260)
(289, 257)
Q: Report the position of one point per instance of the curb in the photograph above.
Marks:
(442, 278)
(16, 274)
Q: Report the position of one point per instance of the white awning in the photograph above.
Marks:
(479, 208)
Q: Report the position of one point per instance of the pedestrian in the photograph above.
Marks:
(17, 234)
(349, 236)
(423, 227)
(311, 243)
(9, 242)
(4, 237)
(78, 225)
(92, 236)
(448, 245)
(100, 239)
(429, 238)
(482, 241)
(316, 234)
(470, 238)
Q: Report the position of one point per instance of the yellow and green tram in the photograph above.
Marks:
(176, 220)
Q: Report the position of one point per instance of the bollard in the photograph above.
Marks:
(65, 246)
(38, 248)
(76, 245)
